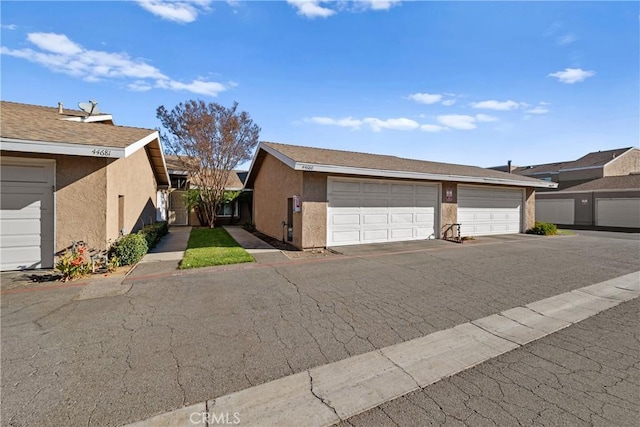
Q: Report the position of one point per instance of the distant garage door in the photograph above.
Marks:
(618, 212)
(26, 214)
(555, 211)
(371, 211)
(488, 210)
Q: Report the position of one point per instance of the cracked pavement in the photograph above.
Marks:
(180, 340)
(586, 374)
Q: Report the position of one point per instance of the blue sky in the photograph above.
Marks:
(461, 82)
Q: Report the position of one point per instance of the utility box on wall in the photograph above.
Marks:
(297, 204)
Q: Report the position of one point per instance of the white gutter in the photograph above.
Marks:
(30, 146)
(312, 167)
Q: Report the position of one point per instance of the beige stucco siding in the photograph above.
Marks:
(80, 198)
(529, 208)
(624, 164)
(314, 210)
(274, 184)
(448, 209)
(131, 177)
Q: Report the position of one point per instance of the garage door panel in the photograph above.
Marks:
(618, 212)
(375, 188)
(27, 217)
(402, 218)
(375, 235)
(484, 211)
(555, 211)
(402, 189)
(389, 211)
(346, 219)
(345, 187)
(375, 219)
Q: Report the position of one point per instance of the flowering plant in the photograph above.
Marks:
(74, 264)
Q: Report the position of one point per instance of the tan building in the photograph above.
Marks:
(595, 165)
(316, 197)
(67, 176)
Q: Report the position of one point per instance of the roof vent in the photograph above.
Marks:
(60, 108)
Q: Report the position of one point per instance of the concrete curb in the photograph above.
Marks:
(327, 394)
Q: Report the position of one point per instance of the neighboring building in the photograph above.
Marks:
(236, 212)
(66, 176)
(317, 197)
(595, 165)
(609, 202)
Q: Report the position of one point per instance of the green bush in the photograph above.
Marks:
(129, 249)
(153, 233)
(543, 229)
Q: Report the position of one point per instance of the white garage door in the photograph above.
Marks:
(26, 214)
(618, 212)
(371, 211)
(488, 210)
(555, 211)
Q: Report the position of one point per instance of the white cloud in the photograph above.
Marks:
(311, 8)
(347, 122)
(457, 121)
(396, 124)
(538, 110)
(572, 75)
(182, 12)
(432, 128)
(566, 39)
(496, 105)
(9, 26)
(485, 118)
(448, 102)
(320, 8)
(56, 43)
(377, 4)
(60, 54)
(464, 121)
(425, 98)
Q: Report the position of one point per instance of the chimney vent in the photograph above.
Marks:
(60, 108)
(509, 166)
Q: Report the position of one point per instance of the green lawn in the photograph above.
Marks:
(212, 246)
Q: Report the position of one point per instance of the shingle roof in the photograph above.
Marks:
(235, 181)
(540, 169)
(323, 156)
(37, 123)
(625, 182)
(597, 158)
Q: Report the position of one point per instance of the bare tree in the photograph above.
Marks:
(211, 140)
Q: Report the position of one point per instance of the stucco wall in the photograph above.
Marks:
(133, 178)
(529, 208)
(314, 210)
(624, 165)
(448, 209)
(274, 184)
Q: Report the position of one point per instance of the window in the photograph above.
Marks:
(227, 209)
(548, 178)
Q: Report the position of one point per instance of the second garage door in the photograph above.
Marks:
(26, 214)
(483, 211)
(371, 211)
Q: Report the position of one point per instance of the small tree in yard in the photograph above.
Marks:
(211, 141)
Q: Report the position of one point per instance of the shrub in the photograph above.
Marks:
(74, 263)
(129, 249)
(543, 229)
(153, 233)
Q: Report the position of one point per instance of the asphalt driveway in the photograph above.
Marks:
(172, 339)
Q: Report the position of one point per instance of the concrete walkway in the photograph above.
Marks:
(261, 250)
(327, 394)
(171, 248)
